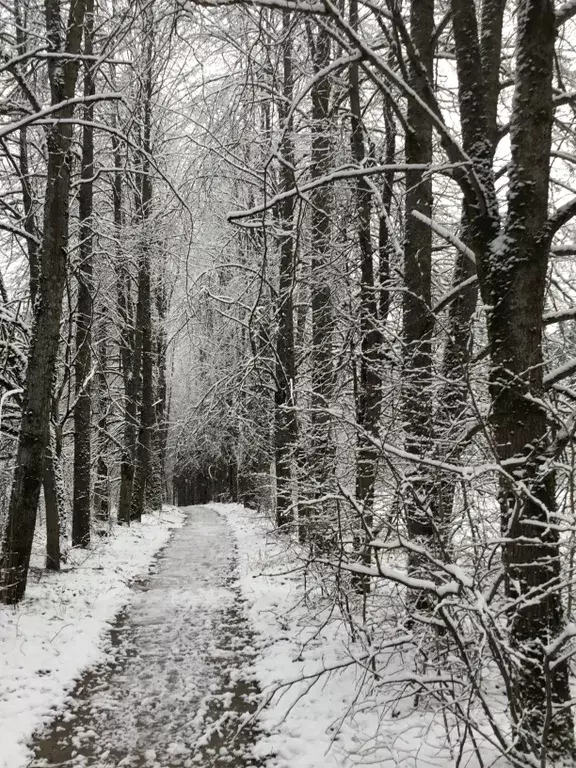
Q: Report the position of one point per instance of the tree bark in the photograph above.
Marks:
(512, 268)
(81, 505)
(448, 417)
(418, 321)
(516, 282)
(102, 483)
(54, 499)
(286, 427)
(144, 318)
(157, 487)
(52, 474)
(454, 392)
(144, 307)
(27, 192)
(130, 353)
(315, 525)
(369, 381)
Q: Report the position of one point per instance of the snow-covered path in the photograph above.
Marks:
(175, 688)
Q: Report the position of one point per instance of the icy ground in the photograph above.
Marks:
(59, 629)
(173, 691)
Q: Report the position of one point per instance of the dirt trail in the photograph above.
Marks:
(174, 691)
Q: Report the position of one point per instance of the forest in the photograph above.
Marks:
(287, 287)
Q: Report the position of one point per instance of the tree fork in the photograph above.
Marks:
(514, 281)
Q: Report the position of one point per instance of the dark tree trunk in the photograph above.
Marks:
(142, 468)
(233, 479)
(132, 389)
(82, 406)
(418, 321)
(512, 273)
(516, 279)
(130, 353)
(52, 479)
(27, 192)
(384, 245)
(156, 489)
(286, 428)
(449, 416)
(29, 220)
(37, 400)
(102, 483)
(144, 308)
(454, 392)
(369, 384)
(54, 499)
(319, 465)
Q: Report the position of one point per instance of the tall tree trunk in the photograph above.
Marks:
(102, 483)
(29, 219)
(514, 283)
(54, 499)
(82, 406)
(27, 192)
(512, 267)
(144, 318)
(448, 417)
(34, 432)
(130, 352)
(157, 486)
(144, 307)
(131, 367)
(369, 389)
(454, 391)
(286, 428)
(314, 525)
(52, 475)
(385, 248)
(418, 322)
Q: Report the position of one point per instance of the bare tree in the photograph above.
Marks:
(83, 362)
(33, 438)
(286, 423)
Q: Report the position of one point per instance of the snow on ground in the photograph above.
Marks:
(303, 721)
(59, 628)
(328, 719)
(170, 693)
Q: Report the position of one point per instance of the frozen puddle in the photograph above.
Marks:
(175, 690)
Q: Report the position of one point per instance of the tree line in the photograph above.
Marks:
(88, 273)
(394, 366)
